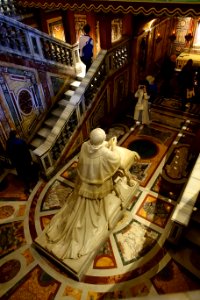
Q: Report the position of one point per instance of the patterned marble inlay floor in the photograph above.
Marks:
(134, 261)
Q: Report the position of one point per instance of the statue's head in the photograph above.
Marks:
(97, 137)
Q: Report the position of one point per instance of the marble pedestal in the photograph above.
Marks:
(78, 267)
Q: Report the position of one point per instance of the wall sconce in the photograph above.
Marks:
(172, 36)
(188, 37)
(158, 38)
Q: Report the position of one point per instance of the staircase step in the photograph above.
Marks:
(75, 84)
(63, 102)
(80, 77)
(57, 112)
(68, 94)
(51, 121)
(44, 132)
(192, 234)
(37, 142)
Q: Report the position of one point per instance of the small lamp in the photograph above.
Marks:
(172, 36)
(158, 38)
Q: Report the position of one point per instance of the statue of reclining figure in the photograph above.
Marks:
(99, 194)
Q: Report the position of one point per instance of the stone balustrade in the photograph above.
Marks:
(25, 41)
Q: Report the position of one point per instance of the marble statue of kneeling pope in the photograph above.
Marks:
(103, 188)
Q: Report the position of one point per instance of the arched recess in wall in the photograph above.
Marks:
(25, 102)
(143, 53)
(116, 30)
(196, 43)
(28, 111)
(56, 29)
(145, 35)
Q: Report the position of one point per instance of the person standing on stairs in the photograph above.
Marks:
(86, 47)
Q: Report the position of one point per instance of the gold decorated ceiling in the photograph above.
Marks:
(156, 8)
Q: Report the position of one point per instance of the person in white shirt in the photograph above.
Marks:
(141, 112)
(86, 54)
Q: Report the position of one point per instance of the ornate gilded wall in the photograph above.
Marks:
(26, 94)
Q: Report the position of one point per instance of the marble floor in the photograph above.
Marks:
(136, 260)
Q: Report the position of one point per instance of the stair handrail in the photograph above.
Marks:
(51, 151)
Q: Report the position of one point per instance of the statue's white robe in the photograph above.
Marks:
(81, 222)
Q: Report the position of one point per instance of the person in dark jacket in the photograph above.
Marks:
(20, 157)
(167, 75)
(186, 81)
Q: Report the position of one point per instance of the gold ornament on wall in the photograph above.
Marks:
(188, 37)
(172, 36)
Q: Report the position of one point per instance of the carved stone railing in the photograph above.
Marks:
(7, 8)
(18, 38)
(51, 151)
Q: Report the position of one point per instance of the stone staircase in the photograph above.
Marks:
(54, 114)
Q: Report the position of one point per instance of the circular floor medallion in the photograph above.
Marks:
(145, 148)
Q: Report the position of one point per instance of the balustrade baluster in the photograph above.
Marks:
(52, 52)
(18, 40)
(35, 45)
(23, 41)
(46, 48)
(62, 54)
(58, 54)
(3, 34)
(11, 36)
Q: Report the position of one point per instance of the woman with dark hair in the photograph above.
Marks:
(86, 47)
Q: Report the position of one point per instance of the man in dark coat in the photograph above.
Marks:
(20, 158)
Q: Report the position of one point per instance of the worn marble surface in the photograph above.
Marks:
(134, 262)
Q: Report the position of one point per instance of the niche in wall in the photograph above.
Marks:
(80, 21)
(196, 43)
(56, 28)
(22, 97)
(116, 33)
